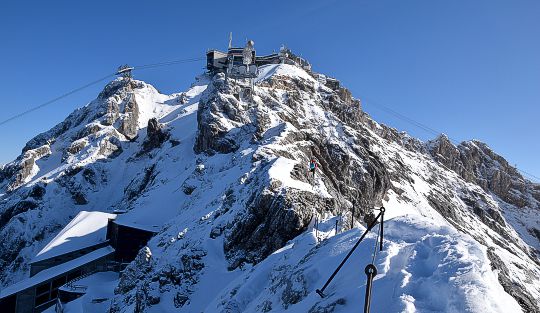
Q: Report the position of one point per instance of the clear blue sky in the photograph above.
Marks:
(470, 69)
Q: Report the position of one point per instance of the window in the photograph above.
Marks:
(74, 275)
(43, 288)
(42, 299)
(59, 282)
(54, 294)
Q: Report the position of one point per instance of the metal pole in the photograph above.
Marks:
(371, 272)
(317, 227)
(382, 228)
(321, 291)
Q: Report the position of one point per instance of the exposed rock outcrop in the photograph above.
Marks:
(511, 285)
(155, 135)
(213, 136)
(25, 166)
(275, 215)
(475, 162)
(129, 126)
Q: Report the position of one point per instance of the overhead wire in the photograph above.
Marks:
(54, 100)
(428, 129)
(139, 67)
(167, 63)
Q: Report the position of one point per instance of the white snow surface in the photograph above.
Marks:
(99, 290)
(85, 230)
(427, 264)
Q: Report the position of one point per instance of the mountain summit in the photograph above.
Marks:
(219, 176)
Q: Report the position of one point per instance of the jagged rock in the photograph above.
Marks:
(79, 198)
(37, 192)
(74, 148)
(271, 221)
(87, 131)
(77, 146)
(24, 165)
(139, 297)
(212, 135)
(155, 136)
(265, 307)
(475, 162)
(535, 232)
(20, 207)
(295, 291)
(111, 89)
(188, 189)
(48, 138)
(182, 98)
(113, 112)
(139, 183)
(510, 285)
(110, 147)
(129, 126)
(239, 199)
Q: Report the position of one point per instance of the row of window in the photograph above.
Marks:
(49, 291)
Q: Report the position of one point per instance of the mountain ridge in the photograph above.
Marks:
(240, 182)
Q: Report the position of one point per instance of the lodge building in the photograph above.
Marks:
(92, 242)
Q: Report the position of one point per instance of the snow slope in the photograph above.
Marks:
(229, 194)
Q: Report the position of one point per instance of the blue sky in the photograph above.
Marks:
(470, 69)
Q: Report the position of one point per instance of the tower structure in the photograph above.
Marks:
(125, 71)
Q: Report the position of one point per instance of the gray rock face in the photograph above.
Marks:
(129, 125)
(22, 168)
(475, 162)
(511, 286)
(137, 185)
(110, 146)
(275, 214)
(155, 135)
(212, 135)
(272, 219)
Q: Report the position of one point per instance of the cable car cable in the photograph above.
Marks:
(55, 99)
(167, 63)
(146, 66)
(428, 129)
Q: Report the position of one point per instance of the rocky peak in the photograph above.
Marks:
(475, 162)
(155, 135)
(236, 207)
(291, 109)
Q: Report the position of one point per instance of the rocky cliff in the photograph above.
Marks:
(222, 171)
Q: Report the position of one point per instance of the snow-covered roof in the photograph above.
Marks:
(145, 219)
(85, 230)
(58, 270)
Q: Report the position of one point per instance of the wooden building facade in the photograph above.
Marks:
(127, 240)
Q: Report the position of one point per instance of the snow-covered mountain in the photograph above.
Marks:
(223, 178)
